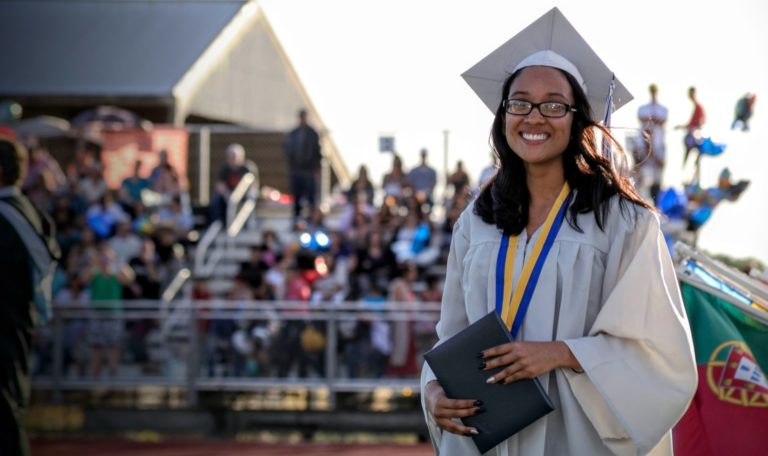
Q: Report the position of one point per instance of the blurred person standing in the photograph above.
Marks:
(743, 111)
(650, 149)
(29, 251)
(422, 180)
(302, 152)
(696, 122)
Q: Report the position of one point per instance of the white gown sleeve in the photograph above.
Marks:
(639, 367)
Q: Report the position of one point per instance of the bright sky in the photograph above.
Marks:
(392, 67)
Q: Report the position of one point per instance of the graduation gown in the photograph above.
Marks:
(612, 296)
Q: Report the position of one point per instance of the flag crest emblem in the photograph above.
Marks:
(735, 377)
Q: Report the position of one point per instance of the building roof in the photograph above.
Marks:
(93, 48)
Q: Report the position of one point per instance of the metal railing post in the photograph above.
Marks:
(331, 354)
(193, 361)
(58, 357)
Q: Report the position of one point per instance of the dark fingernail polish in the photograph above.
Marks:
(481, 366)
(480, 355)
(479, 410)
(478, 403)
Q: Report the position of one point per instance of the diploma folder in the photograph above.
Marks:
(508, 407)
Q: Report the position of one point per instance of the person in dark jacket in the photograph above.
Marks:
(27, 242)
(302, 153)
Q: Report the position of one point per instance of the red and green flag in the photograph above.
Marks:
(729, 413)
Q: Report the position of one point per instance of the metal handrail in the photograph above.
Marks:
(201, 250)
(751, 288)
(185, 374)
(246, 188)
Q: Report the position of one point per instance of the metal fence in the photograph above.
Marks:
(231, 346)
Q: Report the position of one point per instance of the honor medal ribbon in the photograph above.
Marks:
(512, 300)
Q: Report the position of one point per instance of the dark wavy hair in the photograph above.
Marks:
(504, 200)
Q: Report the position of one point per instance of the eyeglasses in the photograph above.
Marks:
(548, 109)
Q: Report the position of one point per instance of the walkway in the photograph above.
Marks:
(115, 447)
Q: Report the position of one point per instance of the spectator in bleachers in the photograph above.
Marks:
(287, 348)
(411, 241)
(241, 359)
(106, 328)
(104, 214)
(176, 217)
(487, 173)
(220, 354)
(166, 185)
(332, 285)
(272, 247)
(366, 343)
(354, 221)
(171, 254)
(374, 265)
(92, 185)
(403, 360)
(395, 182)
(422, 180)
(87, 156)
(458, 181)
(75, 342)
(361, 190)
(68, 223)
(162, 165)
(227, 178)
(146, 283)
(275, 277)
(245, 350)
(125, 243)
(424, 330)
(129, 193)
(44, 175)
(253, 272)
(84, 255)
(143, 222)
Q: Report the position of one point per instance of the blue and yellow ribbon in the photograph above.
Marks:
(512, 300)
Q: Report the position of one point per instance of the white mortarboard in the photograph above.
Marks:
(549, 41)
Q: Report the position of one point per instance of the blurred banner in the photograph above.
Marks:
(121, 148)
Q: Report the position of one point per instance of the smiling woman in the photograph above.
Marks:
(559, 215)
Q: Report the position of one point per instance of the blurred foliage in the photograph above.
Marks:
(742, 264)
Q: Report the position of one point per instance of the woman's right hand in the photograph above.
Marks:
(445, 410)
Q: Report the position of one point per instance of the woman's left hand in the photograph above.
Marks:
(526, 360)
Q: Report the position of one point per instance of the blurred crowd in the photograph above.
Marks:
(385, 245)
(117, 244)
(384, 248)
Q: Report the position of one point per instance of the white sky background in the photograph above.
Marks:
(393, 67)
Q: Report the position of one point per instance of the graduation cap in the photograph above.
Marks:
(549, 41)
